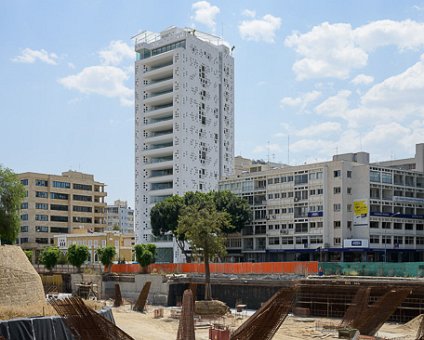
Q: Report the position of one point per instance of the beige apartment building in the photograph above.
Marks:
(123, 243)
(59, 204)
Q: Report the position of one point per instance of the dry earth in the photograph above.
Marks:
(145, 326)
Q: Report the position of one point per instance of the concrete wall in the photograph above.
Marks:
(86, 278)
(131, 287)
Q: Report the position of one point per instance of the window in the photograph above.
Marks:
(41, 229)
(337, 241)
(24, 205)
(337, 224)
(82, 198)
(315, 239)
(24, 181)
(397, 226)
(59, 207)
(301, 179)
(41, 194)
(398, 240)
(386, 178)
(374, 224)
(337, 190)
(61, 230)
(349, 207)
(409, 226)
(409, 240)
(301, 227)
(273, 241)
(24, 229)
(374, 176)
(337, 207)
(374, 239)
(24, 240)
(96, 243)
(103, 243)
(386, 225)
(41, 217)
(58, 196)
(82, 219)
(64, 185)
(24, 217)
(81, 208)
(420, 227)
(386, 239)
(349, 174)
(42, 240)
(289, 240)
(61, 242)
(41, 183)
(420, 240)
(43, 206)
(337, 173)
(85, 187)
(320, 191)
(349, 191)
(59, 218)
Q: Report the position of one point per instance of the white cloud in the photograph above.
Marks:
(319, 129)
(103, 80)
(334, 50)
(205, 13)
(249, 13)
(116, 52)
(302, 101)
(30, 56)
(328, 51)
(362, 79)
(260, 29)
(335, 106)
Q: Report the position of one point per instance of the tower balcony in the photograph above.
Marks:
(160, 126)
(160, 84)
(160, 98)
(160, 138)
(159, 179)
(162, 192)
(159, 165)
(159, 152)
(159, 72)
(159, 111)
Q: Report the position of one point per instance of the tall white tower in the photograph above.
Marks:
(184, 121)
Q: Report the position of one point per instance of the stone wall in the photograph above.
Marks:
(20, 284)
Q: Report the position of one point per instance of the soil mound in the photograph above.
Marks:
(212, 308)
(20, 284)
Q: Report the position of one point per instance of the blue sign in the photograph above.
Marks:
(356, 243)
(315, 213)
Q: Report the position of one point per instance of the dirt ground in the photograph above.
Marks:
(145, 326)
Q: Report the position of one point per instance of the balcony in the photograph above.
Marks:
(161, 127)
(160, 84)
(165, 137)
(159, 163)
(160, 98)
(161, 71)
(159, 179)
(160, 152)
(159, 110)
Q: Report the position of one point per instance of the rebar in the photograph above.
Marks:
(267, 320)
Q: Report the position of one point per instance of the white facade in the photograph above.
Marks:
(344, 209)
(184, 127)
(120, 215)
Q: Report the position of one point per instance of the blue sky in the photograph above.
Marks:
(330, 76)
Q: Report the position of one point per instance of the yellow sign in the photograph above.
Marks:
(360, 208)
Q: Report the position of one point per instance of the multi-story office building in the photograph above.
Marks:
(184, 109)
(347, 209)
(123, 243)
(59, 204)
(119, 216)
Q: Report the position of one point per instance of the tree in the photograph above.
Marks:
(49, 257)
(106, 256)
(203, 227)
(77, 255)
(164, 215)
(12, 192)
(28, 254)
(145, 254)
(63, 259)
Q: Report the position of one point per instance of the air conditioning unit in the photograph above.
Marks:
(296, 199)
(284, 231)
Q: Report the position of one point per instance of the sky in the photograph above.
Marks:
(312, 79)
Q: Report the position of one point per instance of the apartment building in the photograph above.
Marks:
(123, 243)
(347, 209)
(59, 204)
(119, 216)
(184, 121)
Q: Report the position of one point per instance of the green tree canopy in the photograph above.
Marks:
(28, 254)
(77, 255)
(203, 227)
(145, 254)
(106, 255)
(12, 192)
(164, 215)
(49, 257)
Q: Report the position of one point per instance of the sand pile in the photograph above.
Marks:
(213, 307)
(20, 284)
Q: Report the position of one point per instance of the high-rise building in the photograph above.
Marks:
(346, 209)
(59, 204)
(184, 120)
(119, 216)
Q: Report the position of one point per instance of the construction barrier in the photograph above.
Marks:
(301, 268)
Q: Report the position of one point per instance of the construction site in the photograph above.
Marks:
(171, 306)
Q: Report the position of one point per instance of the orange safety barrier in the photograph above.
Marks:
(310, 267)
